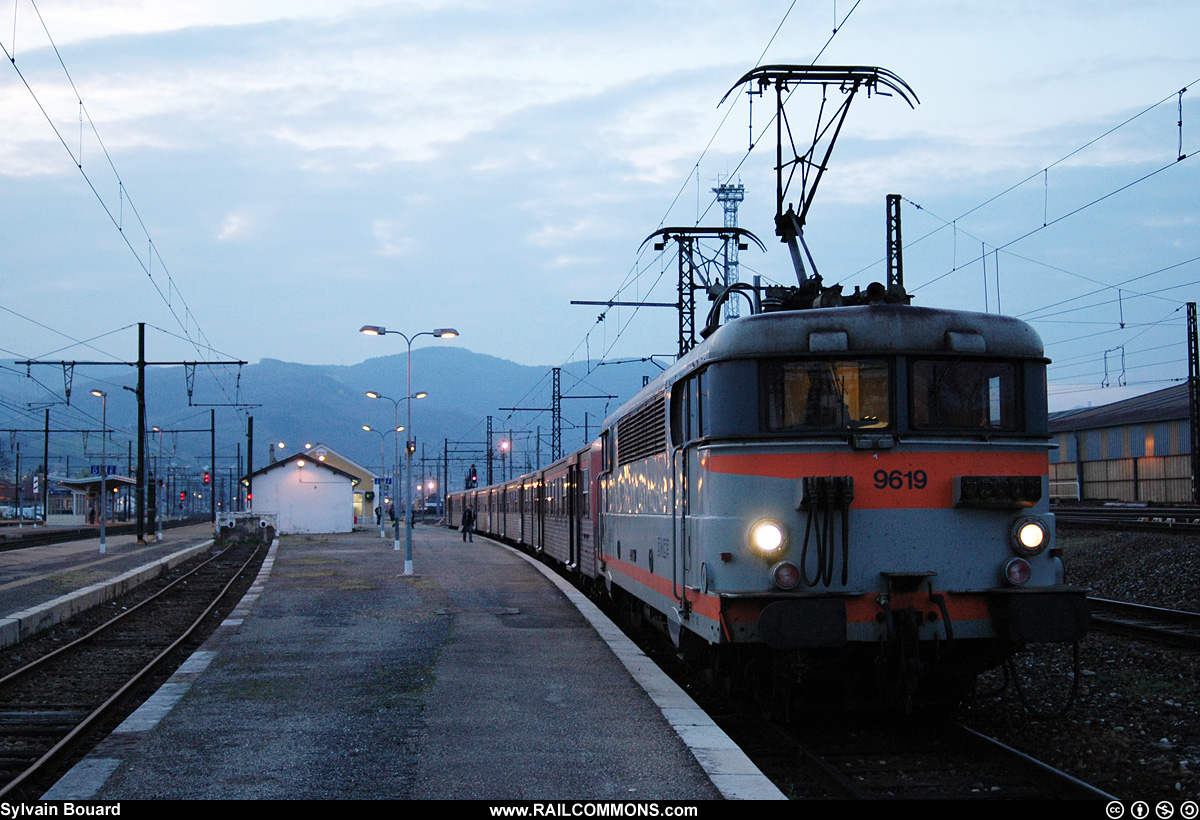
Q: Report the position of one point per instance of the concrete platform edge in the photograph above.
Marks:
(727, 766)
(89, 775)
(20, 625)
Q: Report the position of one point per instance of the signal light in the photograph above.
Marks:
(207, 476)
(1017, 571)
(182, 495)
(785, 575)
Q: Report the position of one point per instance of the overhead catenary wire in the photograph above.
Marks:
(115, 215)
(641, 264)
(636, 270)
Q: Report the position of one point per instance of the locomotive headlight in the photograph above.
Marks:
(768, 536)
(1029, 536)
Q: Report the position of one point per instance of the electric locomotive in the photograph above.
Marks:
(851, 496)
(843, 488)
(848, 492)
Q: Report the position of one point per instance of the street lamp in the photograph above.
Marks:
(103, 465)
(397, 470)
(439, 333)
(382, 468)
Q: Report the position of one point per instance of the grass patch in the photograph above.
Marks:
(1144, 683)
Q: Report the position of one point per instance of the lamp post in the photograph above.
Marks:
(439, 333)
(397, 470)
(103, 464)
(382, 470)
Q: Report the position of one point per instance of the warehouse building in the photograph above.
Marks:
(1139, 449)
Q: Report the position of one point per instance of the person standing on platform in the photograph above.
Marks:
(468, 524)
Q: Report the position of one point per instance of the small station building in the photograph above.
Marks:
(307, 495)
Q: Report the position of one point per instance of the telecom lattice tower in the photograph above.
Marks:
(729, 196)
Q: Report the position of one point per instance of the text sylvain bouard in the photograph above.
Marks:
(64, 809)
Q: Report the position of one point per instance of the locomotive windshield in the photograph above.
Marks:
(964, 395)
(825, 395)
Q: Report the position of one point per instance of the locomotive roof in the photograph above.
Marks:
(872, 329)
(864, 330)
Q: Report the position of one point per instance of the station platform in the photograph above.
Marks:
(42, 586)
(481, 676)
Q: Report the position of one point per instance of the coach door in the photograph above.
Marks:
(573, 515)
(539, 515)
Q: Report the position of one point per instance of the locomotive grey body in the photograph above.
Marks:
(822, 492)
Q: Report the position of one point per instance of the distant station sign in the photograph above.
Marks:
(111, 469)
(386, 481)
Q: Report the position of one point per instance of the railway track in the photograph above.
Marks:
(899, 759)
(53, 705)
(1177, 518)
(1168, 626)
(877, 755)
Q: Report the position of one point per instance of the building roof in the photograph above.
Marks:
(309, 460)
(324, 452)
(1168, 404)
(90, 483)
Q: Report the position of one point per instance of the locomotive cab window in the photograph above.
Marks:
(957, 394)
(689, 409)
(825, 395)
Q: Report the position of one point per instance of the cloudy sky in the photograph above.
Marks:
(265, 177)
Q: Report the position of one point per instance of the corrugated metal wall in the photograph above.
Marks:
(1158, 479)
(1137, 462)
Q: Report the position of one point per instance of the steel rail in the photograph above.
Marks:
(896, 753)
(88, 722)
(17, 674)
(1175, 627)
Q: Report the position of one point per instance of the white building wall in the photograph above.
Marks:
(308, 499)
